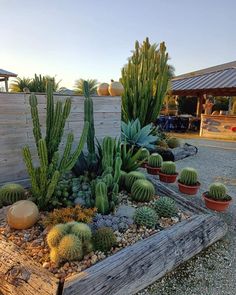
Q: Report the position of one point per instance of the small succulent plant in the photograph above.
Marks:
(173, 142)
(70, 248)
(146, 216)
(165, 207)
(104, 239)
(155, 160)
(132, 177)
(11, 193)
(189, 176)
(142, 190)
(168, 168)
(117, 223)
(218, 191)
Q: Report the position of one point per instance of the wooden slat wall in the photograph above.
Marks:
(16, 126)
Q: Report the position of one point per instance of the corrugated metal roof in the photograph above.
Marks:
(4, 73)
(218, 79)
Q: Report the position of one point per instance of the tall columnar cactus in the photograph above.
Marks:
(108, 148)
(45, 177)
(88, 117)
(101, 201)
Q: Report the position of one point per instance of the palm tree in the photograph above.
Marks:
(19, 84)
(79, 86)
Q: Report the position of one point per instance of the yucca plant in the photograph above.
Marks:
(135, 135)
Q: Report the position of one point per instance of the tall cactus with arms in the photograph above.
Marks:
(51, 166)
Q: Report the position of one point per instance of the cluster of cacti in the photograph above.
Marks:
(165, 207)
(173, 142)
(69, 241)
(142, 190)
(10, 193)
(104, 239)
(144, 154)
(145, 216)
(145, 80)
(188, 176)
(168, 168)
(132, 177)
(155, 160)
(44, 178)
(218, 191)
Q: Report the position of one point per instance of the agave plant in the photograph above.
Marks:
(130, 158)
(133, 134)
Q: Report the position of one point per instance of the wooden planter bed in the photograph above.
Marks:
(123, 273)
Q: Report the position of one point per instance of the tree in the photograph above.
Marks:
(20, 84)
(79, 86)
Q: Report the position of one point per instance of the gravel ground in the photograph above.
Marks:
(213, 272)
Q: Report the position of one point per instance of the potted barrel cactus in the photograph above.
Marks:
(154, 164)
(216, 198)
(168, 172)
(143, 158)
(188, 181)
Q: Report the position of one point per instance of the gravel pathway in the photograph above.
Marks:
(213, 272)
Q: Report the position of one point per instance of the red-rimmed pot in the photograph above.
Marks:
(187, 189)
(216, 205)
(168, 178)
(152, 170)
(144, 164)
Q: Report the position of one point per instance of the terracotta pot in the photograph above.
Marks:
(167, 178)
(152, 170)
(187, 189)
(215, 205)
(144, 164)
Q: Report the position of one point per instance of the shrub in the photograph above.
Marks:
(155, 160)
(132, 177)
(142, 190)
(165, 207)
(145, 216)
(104, 239)
(10, 193)
(189, 176)
(168, 168)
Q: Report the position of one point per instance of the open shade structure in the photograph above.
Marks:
(4, 76)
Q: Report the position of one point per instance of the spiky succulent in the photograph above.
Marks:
(81, 230)
(56, 234)
(218, 191)
(132, 177)
(11, 193)
(146, 216)
(173, 142)
(144, 154)
(155, 160)
(142, 190)
(168, 168)
(70, 248)
(165, 207)
(54, 257)
(188, 176)
(104, 239)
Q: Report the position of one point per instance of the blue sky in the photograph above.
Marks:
(93, 38)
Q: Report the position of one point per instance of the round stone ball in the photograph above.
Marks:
(22, 214)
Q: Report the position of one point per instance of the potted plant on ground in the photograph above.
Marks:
(154, 164)
(143, 158)
(188, 181)
(168, 172)
(216, 198)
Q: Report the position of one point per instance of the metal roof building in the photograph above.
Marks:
(4, 76)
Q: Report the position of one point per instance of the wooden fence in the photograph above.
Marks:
(16, 127)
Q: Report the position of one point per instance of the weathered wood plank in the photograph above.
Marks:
(139, 265)
(19, 275)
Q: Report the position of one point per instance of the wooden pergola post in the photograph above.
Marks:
(6, 84)
(200, 105)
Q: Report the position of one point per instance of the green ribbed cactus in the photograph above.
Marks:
(142, 190)
(168, 168)
(108, 148)
(101, 200)
(132, 177)
(144, 154)
(218, 191)
(11, 193)
(70, 248)
(88, 117)
(188, 176)
(123, 176)
(145, 216)
(81, 230)
(165, 207)
(173, 142)
(155, 160)
(45, 177)
(104, 239)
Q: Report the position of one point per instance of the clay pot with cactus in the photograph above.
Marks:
(216, 198)
(154, 164)
(188, 181)
(168, 172)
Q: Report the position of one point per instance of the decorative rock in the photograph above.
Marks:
(125, 211)
(22, 214)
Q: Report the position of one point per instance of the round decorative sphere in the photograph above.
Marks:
(116, 88)
(22, 214)
(102, 89)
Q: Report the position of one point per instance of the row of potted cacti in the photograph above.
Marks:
(216, 198)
